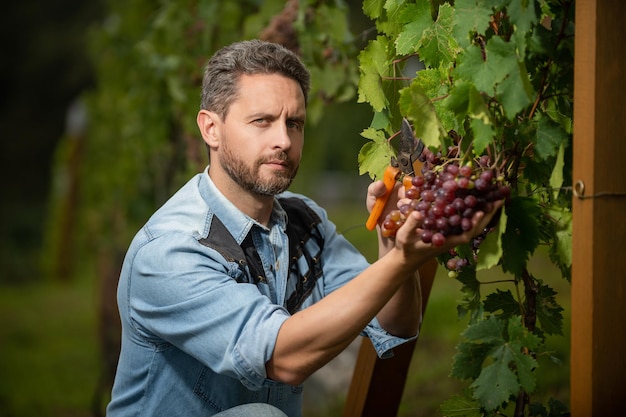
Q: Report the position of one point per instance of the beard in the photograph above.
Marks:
(248, 177)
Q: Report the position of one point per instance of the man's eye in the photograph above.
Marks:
(294, 125)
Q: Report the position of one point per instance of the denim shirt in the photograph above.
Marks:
(195, 335)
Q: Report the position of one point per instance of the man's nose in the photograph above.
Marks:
(282, 139)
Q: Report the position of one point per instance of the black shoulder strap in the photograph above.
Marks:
(302, 226)
(220, 239)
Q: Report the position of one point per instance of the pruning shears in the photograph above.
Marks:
(409, 151)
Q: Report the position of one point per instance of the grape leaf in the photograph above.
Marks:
(483, 134)
(549, 311)
(438, 47)
(523, 15)
(488, 331)
(461, 406)
(418, 16)
(470, 303)
(374, 64)
(471, 16)
(481, 337)
(549, 138)
(553, 108)
(373, 8)
(490, 251)
(499, 61)
(515, 92)
(561, 250)
(497, 382)
(457, 102)
(504, 302)
(434, 82)
(332, 23)
(521, 342)
(468, 361)
(416, 105)
(375, 155)
(380, 121)
(556, 178)
(480, 123)
(511, 367)
(522, 233)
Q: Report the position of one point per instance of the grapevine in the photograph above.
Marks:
(487, 86)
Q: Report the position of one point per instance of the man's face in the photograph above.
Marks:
(262, 136)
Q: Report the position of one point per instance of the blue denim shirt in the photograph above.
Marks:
(195, 340)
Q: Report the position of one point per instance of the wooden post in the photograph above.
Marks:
(377, 384)
(598, 364)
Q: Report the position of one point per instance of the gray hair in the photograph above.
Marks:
(222, 72)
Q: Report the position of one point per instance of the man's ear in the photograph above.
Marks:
(209, 125)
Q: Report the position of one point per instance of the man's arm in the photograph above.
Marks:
(387, 289)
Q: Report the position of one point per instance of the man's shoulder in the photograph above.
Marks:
(185, 212)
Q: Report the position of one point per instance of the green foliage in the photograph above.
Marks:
(497, 74)
(142, 141)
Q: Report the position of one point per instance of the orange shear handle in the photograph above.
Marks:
(389, 178)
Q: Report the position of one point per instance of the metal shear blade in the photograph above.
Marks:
(409, 149)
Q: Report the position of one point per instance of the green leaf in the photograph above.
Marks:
(415, 104)
(420, 21)
(490, 251)
(503, 302)
(480, 120)
(489, 331)
(522, 233)
(468, 361)
(461, 406)
(470, 17)
(515, 92)
(332, 22)
(457, 103)
(511, 366)
(521, 343)
(375, 155)
(374, 65)
(561, 249)
(477, 107)
(380, 121)
(435, 83)
(549, 312)
(500, 60)
(483, 135)
(523, 16)
(438, 47)
(470, 302)
(550, 137)
(497, 382)
(556, 178)
(373, 8)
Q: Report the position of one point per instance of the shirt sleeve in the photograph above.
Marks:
(185, 294)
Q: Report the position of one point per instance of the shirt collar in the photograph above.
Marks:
(237, 222)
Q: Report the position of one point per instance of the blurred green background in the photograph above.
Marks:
(55, 348)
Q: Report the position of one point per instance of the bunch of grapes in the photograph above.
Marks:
(447, 194)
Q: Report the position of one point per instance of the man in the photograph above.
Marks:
(236, 290)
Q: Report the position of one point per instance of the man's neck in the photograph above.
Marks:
(257, 206)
